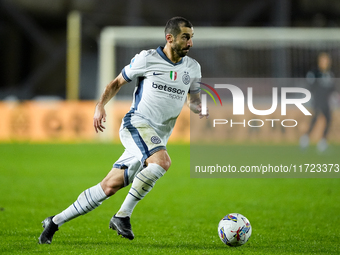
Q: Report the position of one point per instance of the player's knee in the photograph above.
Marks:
(109, 190)
(110, 187)
(165, 164)
(160, 158)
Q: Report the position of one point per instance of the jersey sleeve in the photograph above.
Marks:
(136, 68)
(195, 81)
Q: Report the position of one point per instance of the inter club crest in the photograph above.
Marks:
(186, 78)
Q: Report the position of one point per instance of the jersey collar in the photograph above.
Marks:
(162, 54)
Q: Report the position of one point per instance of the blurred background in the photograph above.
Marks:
(50, 50)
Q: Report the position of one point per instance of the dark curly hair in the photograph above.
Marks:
(173, 26)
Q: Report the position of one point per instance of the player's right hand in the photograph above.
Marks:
(98, 118)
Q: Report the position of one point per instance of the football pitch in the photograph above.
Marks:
(179, 216)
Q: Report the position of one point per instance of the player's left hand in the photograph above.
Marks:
(199, 109)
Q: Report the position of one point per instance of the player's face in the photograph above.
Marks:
(183, 41)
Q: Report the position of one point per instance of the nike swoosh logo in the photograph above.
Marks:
(154, 73)
(144, 189)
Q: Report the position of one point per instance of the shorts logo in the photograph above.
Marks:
(155, 140)
(186, 78)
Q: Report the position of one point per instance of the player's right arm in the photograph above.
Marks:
(135, 69)
(110, 91)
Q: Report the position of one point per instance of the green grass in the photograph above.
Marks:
(179, 216)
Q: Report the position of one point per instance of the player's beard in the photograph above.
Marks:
(179, 50)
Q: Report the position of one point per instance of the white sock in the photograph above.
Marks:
(86, 202)
(141, 185)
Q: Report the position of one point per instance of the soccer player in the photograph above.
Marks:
(165, 79)
(322, 85)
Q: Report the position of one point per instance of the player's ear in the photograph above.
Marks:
(169, 38)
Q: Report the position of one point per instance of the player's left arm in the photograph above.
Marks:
(195, 105)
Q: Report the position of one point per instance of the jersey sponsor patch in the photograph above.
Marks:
(167, 88)
(155, 139)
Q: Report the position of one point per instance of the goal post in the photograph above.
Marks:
(111, 37)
